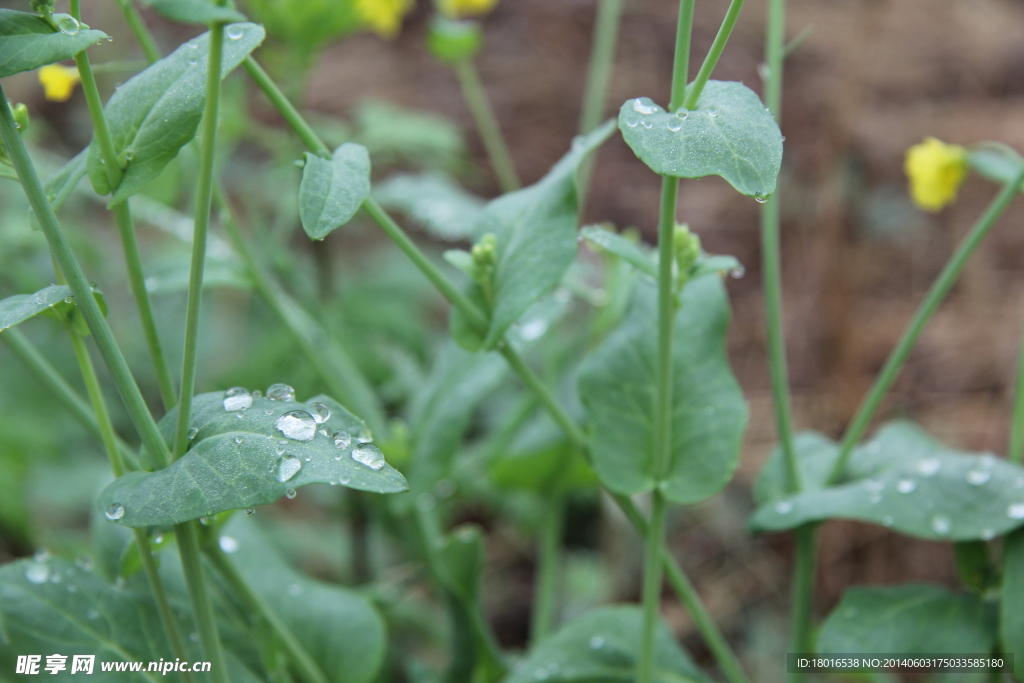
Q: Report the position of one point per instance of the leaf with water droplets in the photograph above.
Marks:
(55, 298)
(535, 232)
(618, 384)
(157, 111)
(902, 479)
(918, 619)
(27, 42)
(194, 11)
(604, 645)
(729, 133)
(241, 459)
(332, 190)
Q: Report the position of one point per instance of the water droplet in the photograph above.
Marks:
(369, 455)
(280, 392)
(675, 124)
(887, 520)
(192, 433)
(364, 436)
(239, 439)
(941, 524)
(268, 411)
(228, 544)
(288, 467)
(237, 398)
(291, 493)
(534, 329)
(257, 393)
(249, 512)
(37, 573)
(320, 412)
(234, 32)
(67, 24)
(737, 273)
(929, 467)
(84, 563)
(205, 520)
(645, 106)
(988, 534)
(69, 299)
(596, 643)
(114, 511)
(632, 122)
(193, 45)
(760, 199)
(784, 507)
(1015, 511)
(42, 556)
(297, 424)
(978, 477)
(93, 615)
(712, 112)
(906, 485)
(647, 124)
(158, 539)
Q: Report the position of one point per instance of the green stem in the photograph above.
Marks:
(187, 535)
(802, 640)
(141, 31)
(652, 587)
(731, 15)
(545, 594)
(285, 107)
(308, 669)
(681, 57)
(204, 195)
(487, 125)
(48, 376)
(80, 287)
(1016, 448)
(602, 59)
(163, 607)
(939, 289)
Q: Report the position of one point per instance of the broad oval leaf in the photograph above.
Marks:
(729, 134)
(535, 231)
(339, 628)
(195, 11)
(618, 384)
(603, 645)
(21, 307)
(240, 458)
(57, 607)
(902, 479)
(156, 112)
(912, 619)
(27, 42)
(332, 190)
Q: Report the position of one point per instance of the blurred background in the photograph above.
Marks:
(867, 79)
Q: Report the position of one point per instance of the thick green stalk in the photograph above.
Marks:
(939, 289)
(133, 261)
(308, 669)
(80, 287)
(602, 59)
(653, 563)
(1016, 448)
(804, 567)
(545, 594)
(731, 15)
(187, 535)
(204, 195)
(487, 125)
(681, 56)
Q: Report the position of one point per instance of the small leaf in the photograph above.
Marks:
(618, 384)
(995, 161)
(332, 190)
(901, 479)
(21, 307)
(535, 229)
(433, 200)
(156, 112)
(626, 249)
(542, 460)
(730, 133)
(911, 619)
(238, 459)
(603, 645)
(27, 42)
(195, 11)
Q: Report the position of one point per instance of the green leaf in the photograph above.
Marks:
(626, 249)
(995, 161)
(57, 607)
(60, 186)
(912, 619)
(618, 386)
(1011, 596)
(21, 307)
(195, 11)
(339, 628)
(902, 479)
(540, 459)
(444, 208)
(332, 190)
(462, 563)
(729, 134)
(535, 229)
(171, 274)
(237, 460)
(156, 112)
(602, 645)
(27, 42)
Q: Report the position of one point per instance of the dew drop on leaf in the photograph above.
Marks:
(237, 398)
(929, 467)
(234, 32)
(288, 467)
(291, 493)
(320, 412)
(784, 507)
(1015, 511)
(906, 485)
(114, 511)
(978, 477)
(297, 424)
(249, 512)
(941, 524)
(369, 455)
(37, 573)
(280, 392)
(192, 433)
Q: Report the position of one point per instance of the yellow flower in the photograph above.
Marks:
(467, 8)
(383, 16)
(58, 82)
(935, 170)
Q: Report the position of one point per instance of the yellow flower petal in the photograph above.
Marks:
(58, 82)
(935, 171)
(384, 17)
(467, 8)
